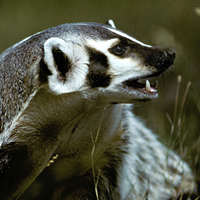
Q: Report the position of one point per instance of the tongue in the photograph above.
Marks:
(148, 87)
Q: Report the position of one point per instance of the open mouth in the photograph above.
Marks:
(147, 85)
(143, 84)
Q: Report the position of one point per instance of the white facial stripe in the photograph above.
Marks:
(126, 68)
(120, 69)
(102, 45)
(128, 37)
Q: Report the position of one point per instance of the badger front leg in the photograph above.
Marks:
(35, 135)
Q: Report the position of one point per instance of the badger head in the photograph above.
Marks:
(92, 56)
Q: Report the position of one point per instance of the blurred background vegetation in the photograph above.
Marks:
(173, 23)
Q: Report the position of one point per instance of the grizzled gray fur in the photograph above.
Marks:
(67, 130)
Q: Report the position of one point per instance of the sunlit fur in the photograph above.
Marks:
(67, 127)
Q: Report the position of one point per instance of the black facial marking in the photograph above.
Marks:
(98, 57)
(62, 62)
(158, 57)
(97, 76)
(118, 49)
(44, 72)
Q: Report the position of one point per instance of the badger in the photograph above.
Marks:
(67, 126)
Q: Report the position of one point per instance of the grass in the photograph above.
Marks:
(177, 137)
(176, 141)
(94, 141)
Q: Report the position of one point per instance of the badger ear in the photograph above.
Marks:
(111, 23)
(67, 62)
(57, 56)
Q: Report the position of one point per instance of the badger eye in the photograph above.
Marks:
(119, 49)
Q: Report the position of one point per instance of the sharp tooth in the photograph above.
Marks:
(156, 84)
(148, 86)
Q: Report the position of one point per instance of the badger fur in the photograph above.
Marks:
(67, 127)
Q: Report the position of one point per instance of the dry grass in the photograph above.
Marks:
(176, 141)
(94, 141)
(178, 137)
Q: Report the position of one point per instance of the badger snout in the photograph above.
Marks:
(160, 57)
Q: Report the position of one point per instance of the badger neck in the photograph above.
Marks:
(93, 133)
(94, 126)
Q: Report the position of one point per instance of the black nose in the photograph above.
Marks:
(168, 55)
(160, 57)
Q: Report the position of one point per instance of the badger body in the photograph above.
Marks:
(67, 129)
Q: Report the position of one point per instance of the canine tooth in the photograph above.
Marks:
(156, 84)
(147, 86)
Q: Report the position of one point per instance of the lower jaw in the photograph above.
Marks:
(143, 95)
